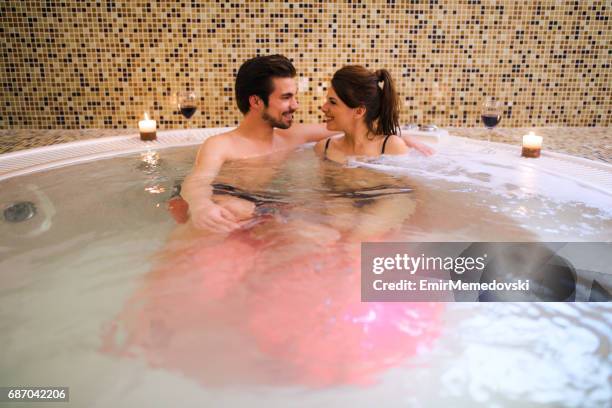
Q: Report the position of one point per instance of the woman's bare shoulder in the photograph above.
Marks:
(319, 147)
(395, 145)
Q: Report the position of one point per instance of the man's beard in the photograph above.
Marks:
(274, 122)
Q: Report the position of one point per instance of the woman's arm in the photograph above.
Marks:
(382, 216)
(418, 146)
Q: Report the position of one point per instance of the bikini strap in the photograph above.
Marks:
(326, 146)
(384, 144)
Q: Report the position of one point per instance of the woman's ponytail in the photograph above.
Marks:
(388, 117)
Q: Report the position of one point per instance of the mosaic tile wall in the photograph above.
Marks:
(100, 64)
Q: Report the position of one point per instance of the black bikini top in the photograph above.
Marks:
(381, 152)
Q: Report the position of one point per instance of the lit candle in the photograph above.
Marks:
(147, 128)
(532, 145)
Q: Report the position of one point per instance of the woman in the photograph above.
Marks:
(365, 204)
(365, 106)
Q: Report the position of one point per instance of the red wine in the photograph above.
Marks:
(188, 111)
(491, 120)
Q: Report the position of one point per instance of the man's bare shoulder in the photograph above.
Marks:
(220, 142)
(218, 146)
(222, 139)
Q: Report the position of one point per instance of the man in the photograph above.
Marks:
(266, 93)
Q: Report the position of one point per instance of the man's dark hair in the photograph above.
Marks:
(255, 78)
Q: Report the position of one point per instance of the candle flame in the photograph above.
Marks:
(146, 116)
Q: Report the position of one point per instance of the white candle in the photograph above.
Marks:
(532, 141)
(532, 145)
(147, 128)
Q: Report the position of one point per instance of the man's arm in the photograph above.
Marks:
(314, 132)
(197, 189)
(305, 133)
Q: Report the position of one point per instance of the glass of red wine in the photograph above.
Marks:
(187, 104)
(491, 116)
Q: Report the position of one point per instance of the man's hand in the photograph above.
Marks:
(422, 148)
(215, 218)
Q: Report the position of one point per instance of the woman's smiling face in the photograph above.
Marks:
(338, 116)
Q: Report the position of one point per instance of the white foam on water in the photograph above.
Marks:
(555, 184)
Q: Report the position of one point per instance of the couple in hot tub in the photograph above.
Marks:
(361, 104)
(270, 291)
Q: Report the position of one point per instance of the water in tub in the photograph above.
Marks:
(104, 292)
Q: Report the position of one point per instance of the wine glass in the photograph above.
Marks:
(491, 116)
(187, 104)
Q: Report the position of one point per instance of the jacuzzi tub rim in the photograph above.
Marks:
(44, 158)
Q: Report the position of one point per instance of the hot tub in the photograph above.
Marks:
(104, 292)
